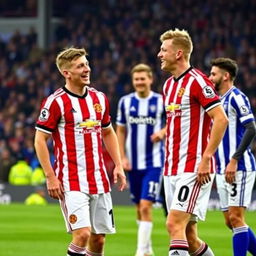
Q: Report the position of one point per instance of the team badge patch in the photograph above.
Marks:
(181, 92)
(97, 107)
(72, 218)
(44, 115)
(208, 92)
(244, 110)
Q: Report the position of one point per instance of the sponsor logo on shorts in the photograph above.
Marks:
(72, 218)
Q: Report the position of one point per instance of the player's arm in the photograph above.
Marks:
(220, 122)
(121, 136)
(159, 135)
(231, 168)
(54, 186)
(111, 143)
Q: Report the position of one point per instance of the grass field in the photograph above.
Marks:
(40, 231)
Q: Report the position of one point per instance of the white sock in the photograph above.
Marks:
(144, 236)
(203, 250)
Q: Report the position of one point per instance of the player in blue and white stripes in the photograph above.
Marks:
(140, 132)
(235, 160)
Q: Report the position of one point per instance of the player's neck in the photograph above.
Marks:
(225, 88)
(78, 90)
(144, 94)
(180, 69)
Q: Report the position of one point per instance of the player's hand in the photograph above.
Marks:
(157, 136)
(204, 171)
(230, 172)
(126, 164)
(119, 177)
(54, 187)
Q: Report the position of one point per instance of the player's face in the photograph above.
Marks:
(79, 72)
(216, 77)
(167, 55)
(142, 82)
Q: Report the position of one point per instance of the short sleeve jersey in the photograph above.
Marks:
(75, 123)
(187, 100)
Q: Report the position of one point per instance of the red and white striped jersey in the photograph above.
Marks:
(186, 100)
(75, 123)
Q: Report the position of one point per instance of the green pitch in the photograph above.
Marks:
(40, 231)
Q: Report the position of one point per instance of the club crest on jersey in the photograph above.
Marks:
(208, 92)
(72, 218)
(44, 115)
(181, 92)
(244, 110)
(97, 107)
(152, 108)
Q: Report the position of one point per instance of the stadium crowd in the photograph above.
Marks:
(117, 35)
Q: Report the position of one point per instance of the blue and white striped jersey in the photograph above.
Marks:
(142, 117)
(238, 110)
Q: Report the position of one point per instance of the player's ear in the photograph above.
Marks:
(65, 73)
(179, 53)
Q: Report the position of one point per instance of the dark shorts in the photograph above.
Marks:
(144, 184)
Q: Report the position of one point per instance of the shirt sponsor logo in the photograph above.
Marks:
(44, 115)
(173, 110)
(89, 126)
(142, 120)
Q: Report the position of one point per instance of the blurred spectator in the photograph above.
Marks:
(38, 177)
(20, 173)
(37, 198)
(117, 34)
(6, 162)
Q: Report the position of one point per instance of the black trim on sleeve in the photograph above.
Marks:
(211, 103)
(44, 128)
(249, 134)
(106, 125)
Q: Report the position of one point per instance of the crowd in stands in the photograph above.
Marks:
(117, 35)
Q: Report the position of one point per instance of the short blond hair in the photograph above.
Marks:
(180, 38)
(142, 68)
(64, 58)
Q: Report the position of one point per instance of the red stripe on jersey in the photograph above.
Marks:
(177, 125)
(58, 165)
(100, 153)
(71, 146)
(90, 167)
(193, 197)
(193, 143)
(166, 164)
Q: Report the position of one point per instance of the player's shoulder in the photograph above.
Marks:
(93, 91)
(236, 91)
(54, 96)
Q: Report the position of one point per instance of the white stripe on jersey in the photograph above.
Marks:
(238, 110)
(142, 132)
(141, 115)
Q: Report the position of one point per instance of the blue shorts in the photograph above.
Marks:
(144, 184)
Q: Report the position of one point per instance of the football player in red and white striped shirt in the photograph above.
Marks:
(196, 123)
(77, 118)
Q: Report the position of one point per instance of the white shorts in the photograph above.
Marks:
(83, 210)
(238, 193)
(183, 193)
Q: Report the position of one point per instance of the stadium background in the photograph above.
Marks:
(117, 35)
